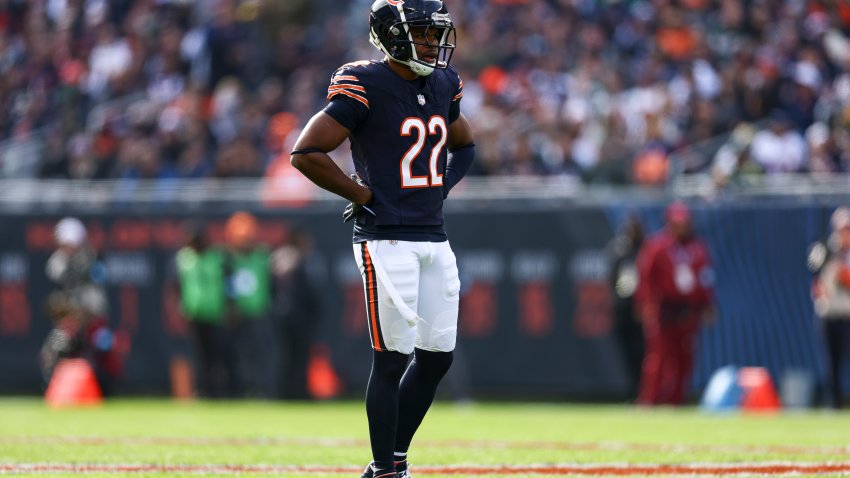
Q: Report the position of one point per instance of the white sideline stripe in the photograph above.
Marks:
(486, 444)
(779, 468)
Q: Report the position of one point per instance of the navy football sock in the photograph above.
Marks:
(400, 461)
(382, 405)
(417, 391)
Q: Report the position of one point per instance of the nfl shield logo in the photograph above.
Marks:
(421, 99)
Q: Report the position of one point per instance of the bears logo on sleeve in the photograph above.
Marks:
(344, 82)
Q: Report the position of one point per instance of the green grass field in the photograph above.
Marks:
(163, 438)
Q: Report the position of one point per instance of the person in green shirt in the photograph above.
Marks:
(249, 288)
(203, 302)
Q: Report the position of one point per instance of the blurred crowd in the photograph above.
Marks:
(608, 91)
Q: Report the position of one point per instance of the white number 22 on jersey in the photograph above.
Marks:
(436, 125)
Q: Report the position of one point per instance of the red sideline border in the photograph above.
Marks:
(480, 444)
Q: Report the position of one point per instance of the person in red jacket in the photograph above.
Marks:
(674, 297)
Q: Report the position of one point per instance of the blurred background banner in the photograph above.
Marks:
(536, 314)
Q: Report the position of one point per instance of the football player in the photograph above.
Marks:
(410, 145)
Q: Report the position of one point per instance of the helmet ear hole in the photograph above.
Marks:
(400, 50)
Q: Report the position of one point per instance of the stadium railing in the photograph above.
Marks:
(24, 194)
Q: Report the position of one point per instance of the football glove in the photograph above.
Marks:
(353, 211)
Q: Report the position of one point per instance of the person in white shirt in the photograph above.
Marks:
(779, 148)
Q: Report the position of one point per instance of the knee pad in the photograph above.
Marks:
(443, 333)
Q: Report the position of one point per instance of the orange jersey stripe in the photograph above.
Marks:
(347, 87)
(372, 290)
(344, 77)
(352, 95)
(457, 97)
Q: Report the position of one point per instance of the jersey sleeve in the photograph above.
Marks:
(348, 101)
(454, 107)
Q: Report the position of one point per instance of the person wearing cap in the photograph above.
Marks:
(79, 275)
(674, 297)
(71, 264)
(75, 267)
(831, 295)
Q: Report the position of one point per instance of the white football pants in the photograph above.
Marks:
(412, 294)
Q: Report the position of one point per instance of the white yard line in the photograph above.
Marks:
(618, 469)
(480, 444)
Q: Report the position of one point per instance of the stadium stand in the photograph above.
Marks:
(628, 91)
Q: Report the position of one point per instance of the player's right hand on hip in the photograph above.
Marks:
(352, 211)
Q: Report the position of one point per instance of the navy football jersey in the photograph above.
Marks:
(399, 135)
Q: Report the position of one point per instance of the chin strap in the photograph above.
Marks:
(421, 69)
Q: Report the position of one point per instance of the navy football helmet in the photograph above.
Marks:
(390, 24)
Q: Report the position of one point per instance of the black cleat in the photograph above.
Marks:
(401, 469)
(371, 472)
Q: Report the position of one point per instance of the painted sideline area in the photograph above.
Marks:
(482, 444)
(712, 469)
